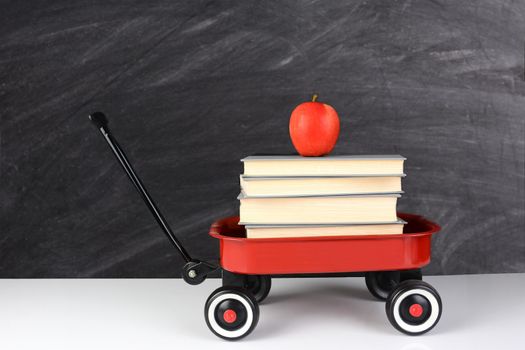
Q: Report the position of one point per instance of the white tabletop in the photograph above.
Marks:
(479, 312)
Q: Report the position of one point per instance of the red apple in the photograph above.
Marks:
(314, 128)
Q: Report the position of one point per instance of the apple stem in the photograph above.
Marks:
(314, 97)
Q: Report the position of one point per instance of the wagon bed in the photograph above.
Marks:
(332, 254)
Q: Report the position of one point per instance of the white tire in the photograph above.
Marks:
(231, 313)
(414, 307)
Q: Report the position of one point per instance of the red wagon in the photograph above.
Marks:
(392, 265)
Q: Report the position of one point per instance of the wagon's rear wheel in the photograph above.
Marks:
(231, 313)
(414, 307)
(259, 286)
(381, 283)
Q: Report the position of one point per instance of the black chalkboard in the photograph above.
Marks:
(192, 87)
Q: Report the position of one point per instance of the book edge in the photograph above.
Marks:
(243, 195)
(252, 226)
(306, 177)
(332, 157)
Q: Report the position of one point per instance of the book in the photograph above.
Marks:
(282, 231)
(326, 185)
(343, 209)
(295, 165)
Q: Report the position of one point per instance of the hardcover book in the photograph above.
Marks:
(319, 185)
(323, 166)
(342, 209)
(281, 231)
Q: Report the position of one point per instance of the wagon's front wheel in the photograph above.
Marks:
(231, 313)
(414, 307)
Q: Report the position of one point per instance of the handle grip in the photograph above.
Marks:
(99, 119)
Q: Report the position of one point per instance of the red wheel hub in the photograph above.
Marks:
(229, 316)
(415, 310)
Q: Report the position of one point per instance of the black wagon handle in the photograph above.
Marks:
(194, 271)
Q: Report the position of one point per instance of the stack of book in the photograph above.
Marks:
(294, 196)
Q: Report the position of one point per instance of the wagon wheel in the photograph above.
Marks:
(259, 286)
(231, 313)
(381, 283)
(414, 307)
